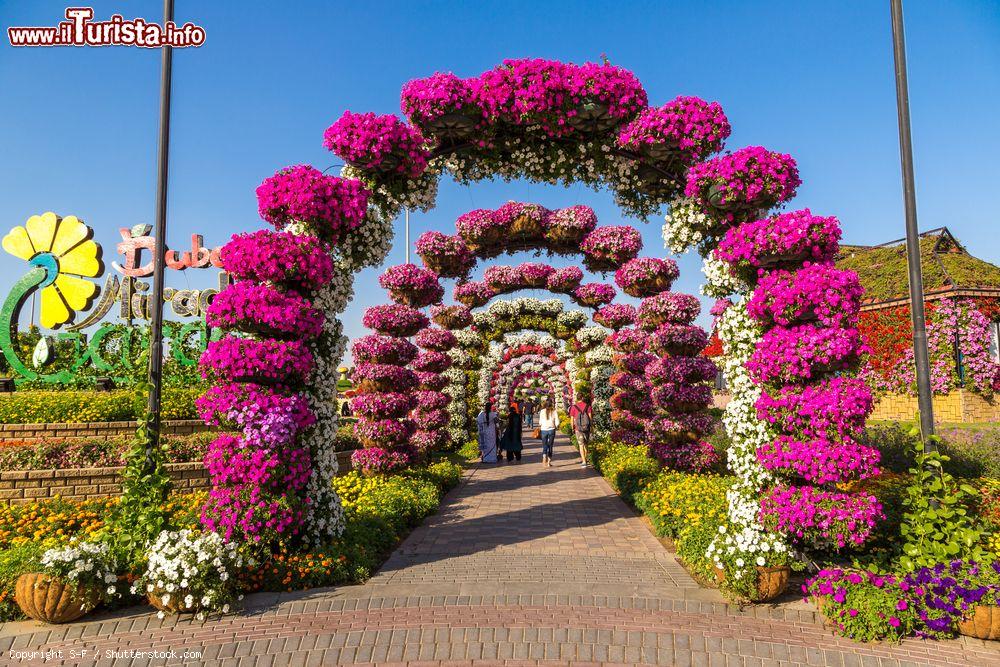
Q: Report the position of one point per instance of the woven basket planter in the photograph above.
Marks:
(983, 622)
(49, 599)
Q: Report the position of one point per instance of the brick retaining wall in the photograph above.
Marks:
(22, 486)
(98, 430)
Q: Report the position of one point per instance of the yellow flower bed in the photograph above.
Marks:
(77, 407)
(674, 500)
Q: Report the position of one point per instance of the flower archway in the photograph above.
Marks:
(542, 120)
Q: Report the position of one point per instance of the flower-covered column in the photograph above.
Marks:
(272, 483)
(431, 415)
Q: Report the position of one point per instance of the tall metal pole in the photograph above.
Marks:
(920, 357)
(156, 298)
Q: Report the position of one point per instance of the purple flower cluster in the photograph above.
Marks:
(379, 461)
(616, 315)
(834, 408)
(329, 204)
(594, 295)
(451, 317)
(750, 177)
(678, 339)
(667, 308)
(264, 309)
(628, 340)
(379, 349)
(681, 370)
(378, 143)
(688, 127)
(411, 285)
(608, 248)
(948, 592)
(565, 280)
(646, 276)
(282, 258)
(447, 256)
(394, 320)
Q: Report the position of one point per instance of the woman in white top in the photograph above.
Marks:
(548, 422)
(488, 426)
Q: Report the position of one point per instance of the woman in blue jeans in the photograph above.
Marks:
(548, 422)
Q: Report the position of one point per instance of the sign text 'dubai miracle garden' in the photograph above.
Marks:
(64, 268)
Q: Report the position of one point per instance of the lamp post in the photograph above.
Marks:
(920, 356)
(156, 298)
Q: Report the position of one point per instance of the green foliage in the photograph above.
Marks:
(627, 469)
(972, 450)
(692, 543)
(96, 453)
(42, 407)
(867, 612)
(936, 526)
(14, 562)
(140, 514)
(443, 474)
(469, 451)
(345, 440)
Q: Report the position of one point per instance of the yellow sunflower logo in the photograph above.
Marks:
(63, 247)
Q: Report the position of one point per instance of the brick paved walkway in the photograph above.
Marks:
(523, 565)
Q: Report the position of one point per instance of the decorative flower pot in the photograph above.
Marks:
(982, 622)
(771, 582)
(410, 297)
(523, 228)
(51, 600)
(774, 261)
(455, 126)
(591, 117)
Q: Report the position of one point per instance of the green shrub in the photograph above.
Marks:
(627, 469)
(96, 453)
(444, 475)
(469, 451)
(40, 407)
(14, 562)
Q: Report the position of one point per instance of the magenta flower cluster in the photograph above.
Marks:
(803, 352)
(819, 461)
(688, 127)
(451, 317)
(282, 258)
(264, 309)
(447, 256)
(426, 100)
(386, 405)
(834, 408)
(594, 295)
(628, 340)
(750, 177)
(565, 280)
(678, 339)
(616, 315)
(430, 415)
(378, 143)
(379, 461)
(380, 349)
(394, 320)
(266, 361)
(330, 205)
(824, 518)
(609, 247)
(796, 237)
(817, 292)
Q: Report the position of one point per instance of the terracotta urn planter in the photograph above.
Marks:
(982, 622)
(155, 598)
(51, 600)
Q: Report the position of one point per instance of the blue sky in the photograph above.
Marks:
(814, 79)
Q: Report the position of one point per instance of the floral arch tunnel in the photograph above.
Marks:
(789, 333)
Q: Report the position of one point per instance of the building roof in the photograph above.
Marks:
(946, 265)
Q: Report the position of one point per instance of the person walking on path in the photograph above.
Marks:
(581, 415)
(511, 440)
(488, 426)
(529, 413)
(548, 422)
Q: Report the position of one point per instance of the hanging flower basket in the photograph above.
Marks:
(412, 296)
(787, 260)
(982, 622)
(565, 236)
(591, 117)
(376, 386)
(717, 194)
(389, 163)
(49, 599)
(455, 126)
(524, 228)
(471, 300)
(664, 155)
